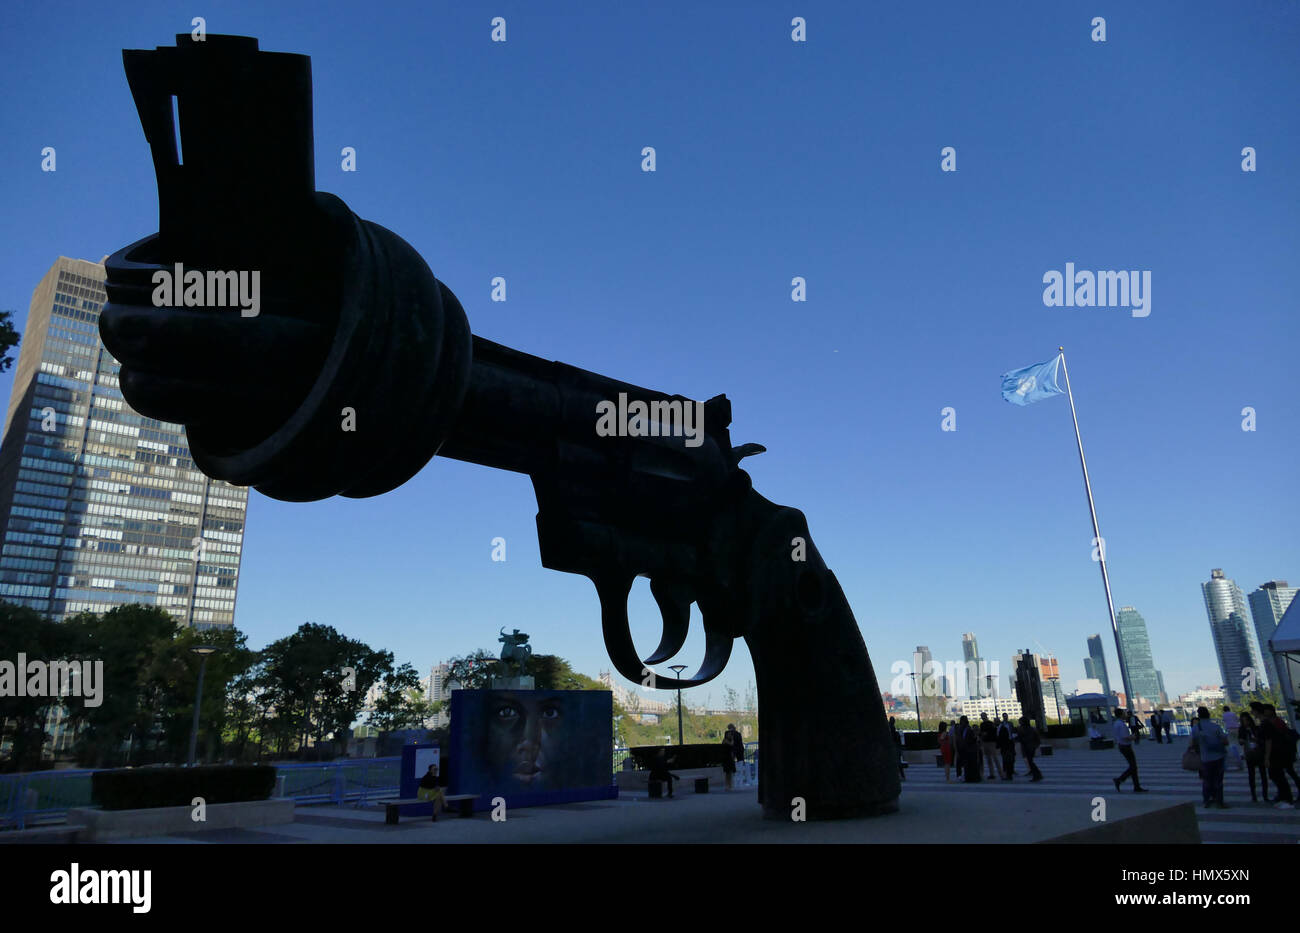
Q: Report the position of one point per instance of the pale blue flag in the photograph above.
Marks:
(1022, 386)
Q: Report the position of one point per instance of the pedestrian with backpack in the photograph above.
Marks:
(1212, 742)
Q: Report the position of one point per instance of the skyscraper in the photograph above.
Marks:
(1098, 658)
(99, 505)
(1137, 654)
(1234, 636)
(1267, 606)
(978, 681)
(438, 689)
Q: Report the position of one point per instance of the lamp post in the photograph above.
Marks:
(202, 651)
(917, 694)
(679, 668)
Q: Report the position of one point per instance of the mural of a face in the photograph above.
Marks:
(524, 738)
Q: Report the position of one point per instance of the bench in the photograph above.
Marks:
(393, 807)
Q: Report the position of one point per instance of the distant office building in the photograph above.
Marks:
(990, 705)
(924, 663)
(1234, 636)
(1137, 654)
(1164, 696)
(438, 687)
(1087, 685)
(1096, 664)
(979, 681)
(99, 505)
(1049, 674)
(1029, 688)
(1267, 606)
(1211, 697)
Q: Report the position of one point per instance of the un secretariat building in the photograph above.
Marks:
(100, 505)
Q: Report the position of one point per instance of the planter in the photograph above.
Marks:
(95, 825)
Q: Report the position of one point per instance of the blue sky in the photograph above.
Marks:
(778, 159)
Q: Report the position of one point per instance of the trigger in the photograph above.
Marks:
(674, 601)
(613, 591)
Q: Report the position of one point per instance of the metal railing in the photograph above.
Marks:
(46, 796)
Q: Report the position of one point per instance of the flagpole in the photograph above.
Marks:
(1096, 533)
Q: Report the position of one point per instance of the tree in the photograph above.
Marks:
(473, 671)
(401, 704)
(550, 672)
(316, 681)
(9, 338)
(174, 678)
(22, 718)
(128, 640)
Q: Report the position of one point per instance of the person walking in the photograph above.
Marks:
(1212, 742)
(728, 761)
(968, 747)
(1155, 725)
(737, 744)
(1231, 722)
(1124, 742)
(945, 751)
(989, 742)
(1029, 742)
(1007, 746)
(1279, 755)
(898, 748)
(1253, 751)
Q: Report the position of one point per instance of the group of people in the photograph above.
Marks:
(733, 743)
(1265, 742)
(989, 746)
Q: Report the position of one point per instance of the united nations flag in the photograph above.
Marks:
(1022, 386)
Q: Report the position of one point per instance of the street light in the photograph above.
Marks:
(202, 651)
(917, 695)
(679, 668)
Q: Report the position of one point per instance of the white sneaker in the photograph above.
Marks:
(1283, 806)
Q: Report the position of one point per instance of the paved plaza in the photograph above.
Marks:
(930, 812)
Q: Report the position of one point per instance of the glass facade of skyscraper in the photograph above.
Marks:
(1137, 655)
(1267, 606)
(1234, 636)
(102, 506)
(1098, 667)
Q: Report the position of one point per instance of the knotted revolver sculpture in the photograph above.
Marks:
(351, 324)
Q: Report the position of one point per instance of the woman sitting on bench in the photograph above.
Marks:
(430, 790)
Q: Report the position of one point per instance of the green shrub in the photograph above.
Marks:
(144, 788)
(914, 741)
(681, 756)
